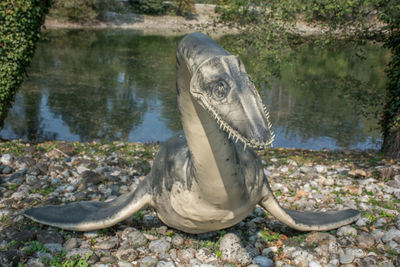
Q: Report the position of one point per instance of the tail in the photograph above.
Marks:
(91, 215)
(309, 221)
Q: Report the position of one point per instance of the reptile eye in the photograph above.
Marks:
(220, 90)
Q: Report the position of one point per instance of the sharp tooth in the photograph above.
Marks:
(244, 147)
(229, 136)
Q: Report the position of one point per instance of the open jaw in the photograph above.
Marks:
(236, 136)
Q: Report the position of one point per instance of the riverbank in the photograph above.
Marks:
(61, 172)
(205, 20)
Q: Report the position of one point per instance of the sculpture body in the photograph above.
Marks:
(207, 177)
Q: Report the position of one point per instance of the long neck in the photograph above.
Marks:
(214, 157)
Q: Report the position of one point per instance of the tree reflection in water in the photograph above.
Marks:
(120, 85)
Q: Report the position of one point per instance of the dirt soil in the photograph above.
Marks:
(204, 20)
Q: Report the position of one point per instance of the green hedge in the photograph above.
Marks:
(20, 22)
(390, 123)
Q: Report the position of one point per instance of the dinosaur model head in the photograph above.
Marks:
(223, 88)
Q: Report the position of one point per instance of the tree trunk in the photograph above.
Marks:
(391, 144)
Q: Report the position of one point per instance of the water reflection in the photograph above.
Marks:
(319, 99)
(120, 85)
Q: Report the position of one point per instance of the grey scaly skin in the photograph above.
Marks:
(207, 177)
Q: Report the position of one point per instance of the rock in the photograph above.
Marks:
(107, 244)
(386, 172)
(301, 193)
(319, 238)
(232, 250)
(390, 235)
(185, 255)
(380, 222)
(362, 221)
(314, 264)
(269, 252)
(283, 169)
(34, 262)
(6, 159)
(377, 234)
(177, 241)
(93, 259)
(42, 167)
(56, 154)
(306, 170)
(301, 258)
(137, 239)
(334, 248)
(107, 260)
(346, 230)
(80, 252)
(42, 255)
(7, 170)
(91, 234)
(165, 264)
(393, 183)
(162, 230)
(357, 173)
(124, 264)
(346, 258)
(368, 261)
(49, 236)
(365, 240)
(148, 262)
(397, 221)
(66, 148)
(127, 254)
(53, 247)
(253, 250)
(320, 168)
(205, 256)
(263, 261)
(25, 162)
(81, 169)
(329, 182)
(355, 252)
(22, 236)
(159, 246)
(71, 243)
(10, 258)
(280, 187)
(91, 177)
(393, 246)
(31, 180)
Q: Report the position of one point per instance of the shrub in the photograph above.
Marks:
(80, 10)
(20, 22)
(153, 7)
(159, 7)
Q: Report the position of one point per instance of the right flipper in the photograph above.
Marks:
(91, 215)
(307, 220)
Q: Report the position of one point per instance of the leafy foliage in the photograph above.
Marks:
(271, 28)
(154, 7)
(20, 22)
(80, 10)
(159, 7)
(390, 122)
(185, 7)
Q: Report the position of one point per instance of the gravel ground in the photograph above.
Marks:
(59, 172)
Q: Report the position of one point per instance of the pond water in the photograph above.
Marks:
(120, 85)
